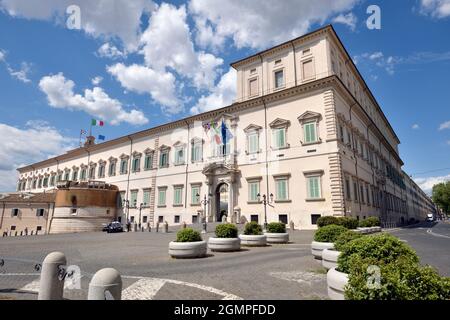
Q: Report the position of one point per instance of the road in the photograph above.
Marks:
(432, 243)
(273, 272)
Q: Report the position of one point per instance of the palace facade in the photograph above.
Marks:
(305, 133)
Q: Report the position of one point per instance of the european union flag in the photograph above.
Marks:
(100, 137)
(226, 134)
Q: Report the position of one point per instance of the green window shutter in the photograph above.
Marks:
(281, 189)
(178, 196)
(254, 190)
(194, 191)
(146, 197)
(162, 197)
(314, 187)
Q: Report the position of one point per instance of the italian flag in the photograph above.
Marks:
(97, 123)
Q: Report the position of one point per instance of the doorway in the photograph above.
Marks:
(221, 201)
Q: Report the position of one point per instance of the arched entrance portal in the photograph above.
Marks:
(221, 201)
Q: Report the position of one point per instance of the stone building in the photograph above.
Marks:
(305, 132)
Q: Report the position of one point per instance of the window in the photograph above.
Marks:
(341, 135)
(306, 52)
(101, 170)
(361, 188)
(133, 198)
(197, 151)
(347, 189)
(253, 190)
(146, 197)
(164, 159)
(40, 212)
(176, 219)
(160, 219)
(144, 219)
(83, 174)
(148, 161)
(15, 212)
(309, 132)
(162, 196)
(45, 182)
(283, 218)
(178, 195)
(179, 155)
(74, 175)
(195, 189)
(52, 180)
(92, 173)
(132, 219)
(308, 69)
(195, 219)
(254, 217)
(67, 175)
(136, 164)
(314, 218)
(281, 189)
(253, 87)
(112, 169)
(355, 191)
(279, 138)
(279, 79)
(123, 166)
(313, 184)
(253, 142)
(367, 195)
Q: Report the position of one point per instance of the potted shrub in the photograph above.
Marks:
(324, 239)
(276, 233)
(226, 238)
(189, 244)
(330, 256)
(369, 225)
(381, 249)
(327, 220)
(253, 235)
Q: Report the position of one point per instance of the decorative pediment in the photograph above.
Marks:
(112, 159)
(252, 127)
(179, 144)
(124, 156)
(101, 162)
(197, 140)
(148, 151)
(136, 154)
(73, 167)
(92, 164)
(309, 115)
(280, 123)
(164, 147)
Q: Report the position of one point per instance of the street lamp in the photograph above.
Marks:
(205, 202)
(265, 203)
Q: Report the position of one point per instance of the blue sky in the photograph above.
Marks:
(142, 63)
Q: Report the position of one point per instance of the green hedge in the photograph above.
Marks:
(345, 238)
(329, 233)
(399, 280)
(379, 249)
(252, 228)
(348, 222)
(188, 235)
(276, 227)
(226, 230)
(370, 222)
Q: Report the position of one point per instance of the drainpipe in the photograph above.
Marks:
(295, 63)
(356, 158)
(187, 165)
(3, 213)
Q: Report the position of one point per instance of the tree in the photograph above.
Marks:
(441, 195)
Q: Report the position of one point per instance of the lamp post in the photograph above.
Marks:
(140, 210)
(205, 202)
(265, 203)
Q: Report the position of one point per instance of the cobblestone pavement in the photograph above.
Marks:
(273, 272)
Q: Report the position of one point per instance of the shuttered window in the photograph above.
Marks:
(281, 189)
(308, 70)
(253, 188)
(313, 187)
(310, 132)
(253, 87)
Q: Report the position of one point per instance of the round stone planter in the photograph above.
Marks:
(364, 230)
(181, 250)
(224, 244)
(336, 282)
(329, 258)
(318, 247)
(277, 237)
(253, 240)
(377, 229)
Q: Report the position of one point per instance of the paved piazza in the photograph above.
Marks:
(273, 272)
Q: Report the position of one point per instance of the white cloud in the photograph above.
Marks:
(427, 183)
(259, 24)
(167, 44)
(96, 80)
(222, 95)
(37, 141)
(95, 102)
(108, 50)
(2, 55)
(22, 73)
(444, 125)
(435, 8)
(141, 79)
(348, 19)
(415, 126)
(100, 18)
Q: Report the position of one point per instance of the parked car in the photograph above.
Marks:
(105, 226)
(430, 217)
(114, 227)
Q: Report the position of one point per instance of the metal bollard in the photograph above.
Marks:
(157, 227)
(149, 228)
(166, 227)
(106, 284)
(292, 225)
(135, 227)
(51, 287)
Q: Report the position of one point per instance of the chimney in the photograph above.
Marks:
(90, 141)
